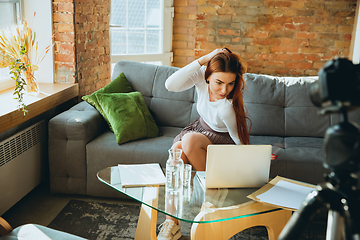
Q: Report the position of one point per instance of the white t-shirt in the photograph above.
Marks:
(219, 115)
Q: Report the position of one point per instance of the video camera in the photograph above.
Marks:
(339, 82)
(338, 90)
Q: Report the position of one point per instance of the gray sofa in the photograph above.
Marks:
(81, 143)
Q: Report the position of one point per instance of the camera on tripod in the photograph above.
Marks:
(336, 91)
(339, 81)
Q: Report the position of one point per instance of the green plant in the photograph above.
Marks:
(19, 52)
(18, 69)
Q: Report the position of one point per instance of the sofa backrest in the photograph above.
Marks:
(281, 106)
(277, 106)
(168, 108)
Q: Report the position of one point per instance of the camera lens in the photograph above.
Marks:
(338, 82)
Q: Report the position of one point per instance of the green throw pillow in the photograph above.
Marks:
(128, 116)
(118, 85)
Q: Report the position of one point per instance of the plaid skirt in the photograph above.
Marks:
(201, 127)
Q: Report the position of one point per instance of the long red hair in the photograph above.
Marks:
(229, 62)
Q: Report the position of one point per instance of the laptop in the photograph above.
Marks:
(237, 166)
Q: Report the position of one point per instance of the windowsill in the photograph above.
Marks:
(8, 83)
(50, 96)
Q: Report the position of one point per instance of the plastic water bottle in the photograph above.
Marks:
(174, 183)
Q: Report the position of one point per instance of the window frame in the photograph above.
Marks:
(355, 40)
(6, 83)
(43, 26)
(166, 57)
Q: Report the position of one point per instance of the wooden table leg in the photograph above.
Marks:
(146, 227)
(5, 227)
(274, 221)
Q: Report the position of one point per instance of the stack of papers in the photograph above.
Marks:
(140, 175)
(283, 192)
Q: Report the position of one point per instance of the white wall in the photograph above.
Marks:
(42, 25)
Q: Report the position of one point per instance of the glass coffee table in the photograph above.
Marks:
(214, 213)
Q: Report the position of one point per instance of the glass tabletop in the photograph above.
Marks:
(191, 204)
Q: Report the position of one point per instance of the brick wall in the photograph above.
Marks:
(64, 38)
(82, 45)
(92, 19)
(272, 36)
(184, 31)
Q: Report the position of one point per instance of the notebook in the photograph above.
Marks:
(237, 166)
(141, 175)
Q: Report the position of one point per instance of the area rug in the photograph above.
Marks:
(105, 221)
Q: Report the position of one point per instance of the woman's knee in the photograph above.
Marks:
(194, 140)
(176, 145)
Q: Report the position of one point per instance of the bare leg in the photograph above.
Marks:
(179, 146)
(194, 146)
(184, 158)
(171, 208)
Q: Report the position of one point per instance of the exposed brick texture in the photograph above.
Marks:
(82, 45)
(92, 44)
(64, 37)
(290, 37)
(184, 31)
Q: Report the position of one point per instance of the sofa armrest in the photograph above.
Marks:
(69, 132)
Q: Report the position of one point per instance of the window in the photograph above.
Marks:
(10, 14)
(355, 40)
(15, 11)
(141, 30)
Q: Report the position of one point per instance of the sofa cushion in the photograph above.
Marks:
(128, 116)
(103, 152)
(299, 158)
(169, 108)
(281, 106)
(119, 85)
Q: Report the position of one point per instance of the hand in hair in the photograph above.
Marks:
(204, 59)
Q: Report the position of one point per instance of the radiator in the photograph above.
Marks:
(21, 164)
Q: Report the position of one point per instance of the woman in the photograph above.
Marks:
(219, 87)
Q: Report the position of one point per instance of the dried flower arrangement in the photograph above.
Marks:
(19, 52)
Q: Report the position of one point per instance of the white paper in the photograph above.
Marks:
(137, 175)
(286, 194)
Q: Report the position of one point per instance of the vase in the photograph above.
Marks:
(32, 86)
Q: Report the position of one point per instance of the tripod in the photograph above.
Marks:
(338, 194)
